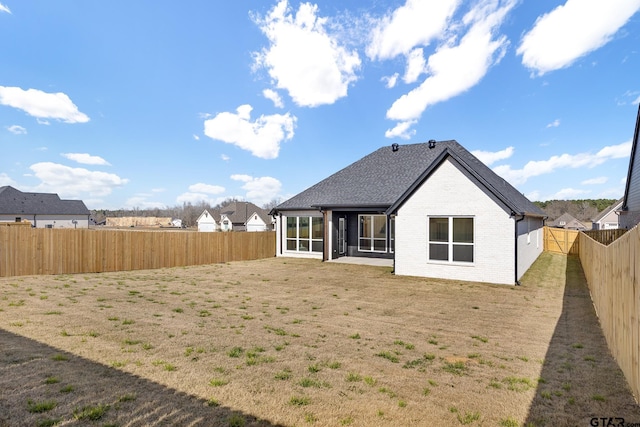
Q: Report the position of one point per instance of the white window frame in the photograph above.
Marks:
(372, 239)
(308, 240)
(450, 243)
(392, 234)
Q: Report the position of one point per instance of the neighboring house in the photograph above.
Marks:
(630, 210)
(206, 222)
(433, 208)
(568, 222)
(608, 218)
(244, 216)
(43, 210)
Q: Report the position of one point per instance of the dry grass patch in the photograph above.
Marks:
(300, 342)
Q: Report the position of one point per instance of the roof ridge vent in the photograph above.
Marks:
(395, 146)
(432, 143)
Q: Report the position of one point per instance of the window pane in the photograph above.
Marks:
(316, 246)
(291, 245)
(463, 253)
(439, 229)
(292, 227)
(365, 244)
(438, 252)
(380, 245)
(463, 230)
(380, 226)
(365, 226)
(303, 227)
(317, 230)
(303, 246)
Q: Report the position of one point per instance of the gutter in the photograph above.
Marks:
(517, 220)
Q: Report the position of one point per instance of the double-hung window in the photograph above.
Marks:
(451, 239)
(305, 234)
(372, 233)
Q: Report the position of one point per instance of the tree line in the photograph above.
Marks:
(187, 212)
(582, 210)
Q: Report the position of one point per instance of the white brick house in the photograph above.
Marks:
(433, 208)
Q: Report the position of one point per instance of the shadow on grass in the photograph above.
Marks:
(580, 380)
(84, 392)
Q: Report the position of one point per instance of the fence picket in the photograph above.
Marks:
(612, 274)
(30, 251)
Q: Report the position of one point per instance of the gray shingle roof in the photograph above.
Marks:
(385, 178)
(15, 202)
(238, 212)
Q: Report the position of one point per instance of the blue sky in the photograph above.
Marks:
(148, 104)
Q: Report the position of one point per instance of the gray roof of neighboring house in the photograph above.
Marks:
(568, 219)
(385, 178)
(15, 202)
(239, 212)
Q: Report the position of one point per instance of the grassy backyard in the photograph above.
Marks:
(300, 342)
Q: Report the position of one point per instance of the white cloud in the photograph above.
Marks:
(274, 97)
(390, 81)
(261, 137)
(4, 8)
(455, 66)
(42, 105)
(17, 130)
(206, 188)
(141, 202)
(541, 167)
(241, 177)
(259, 190)
(417, 23)
(86, 159)
(197, 198)
(401, 130)
(568, 194)
(554, 124)
(74, 182)
(595, 181)
(533, 196)
(6, 180)
(200, 192)
(571, 31)
(196, 137)
(416, 65)
(302, 58)
(489, 157)
(225, 157)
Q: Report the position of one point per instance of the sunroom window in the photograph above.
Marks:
(305, 234)
(372, 233)
(451, 239)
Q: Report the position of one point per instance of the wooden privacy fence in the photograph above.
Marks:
(30, 251)
(561, 241)
(606, 237)
(613, 276)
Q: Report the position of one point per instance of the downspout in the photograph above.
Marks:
(517, 220)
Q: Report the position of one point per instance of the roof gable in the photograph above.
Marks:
(239, 212)
(614, 207)
(385, 178)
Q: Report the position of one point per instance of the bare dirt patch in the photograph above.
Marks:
(300, 342)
